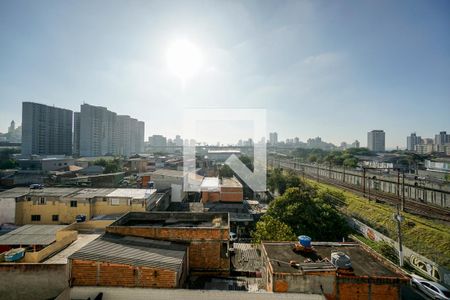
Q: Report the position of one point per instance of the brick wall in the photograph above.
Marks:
(206, 245)
(91, 273)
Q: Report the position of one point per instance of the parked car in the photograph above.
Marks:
(36, 186)
(80, 218)
(233, 237)
(430, 288)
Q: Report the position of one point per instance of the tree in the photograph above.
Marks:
(306, 212)
(111, 166)
(271, 229)
(225, 171)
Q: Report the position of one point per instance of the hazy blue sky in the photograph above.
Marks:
(334, 69)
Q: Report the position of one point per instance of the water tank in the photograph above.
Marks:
(341, 260)
(305, 241)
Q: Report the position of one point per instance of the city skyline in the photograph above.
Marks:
(376, 70)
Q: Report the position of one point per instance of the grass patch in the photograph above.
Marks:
(426, 237)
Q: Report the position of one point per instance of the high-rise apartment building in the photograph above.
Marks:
(376, 141)
(273, 138)
(442, 138)
(412, 141)
(97, 127)
(103, 132)
(46, 130)
(76, 133)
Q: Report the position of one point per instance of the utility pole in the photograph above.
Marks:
(343, 175)
(364, 182)
(403, 192)
(398, 219)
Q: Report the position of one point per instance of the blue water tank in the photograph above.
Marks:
(305, 241)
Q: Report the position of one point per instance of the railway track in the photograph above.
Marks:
(411, 206)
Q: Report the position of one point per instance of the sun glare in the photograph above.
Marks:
(184, 59)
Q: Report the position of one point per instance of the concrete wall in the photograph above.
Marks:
(7, 210)
(63, 239)
(32, 281)
(422, 264)
(66, 214)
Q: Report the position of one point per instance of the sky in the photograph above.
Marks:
(335, 69)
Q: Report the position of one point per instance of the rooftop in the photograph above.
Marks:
(173, 219)
(230, 182)
(15, 192)
(53, 192)
(61, 257)
(281, 254)
(91, 193)
(167, 172)
(210, 184)
(135, 251)
(31, 235)
(132, 193)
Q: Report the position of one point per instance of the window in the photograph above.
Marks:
(41, 201)
(115, 201)
(55, 218)
(224, 250)
(35, 217)
(73, 203)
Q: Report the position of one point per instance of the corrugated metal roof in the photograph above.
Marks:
(134, 251)
(31, 235)
(15, 192)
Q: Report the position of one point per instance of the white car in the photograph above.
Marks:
(430, 288)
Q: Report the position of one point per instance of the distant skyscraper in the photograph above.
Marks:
(412, 141)
(97, 128)
(12, 127)
(178, 141)
(157, 140)
(355, 144)
(273, 138)
(376, 141)
(76, 133)
(46, 130)
(442, 138)
(104, 132)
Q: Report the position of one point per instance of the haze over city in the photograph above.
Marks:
(335, 70)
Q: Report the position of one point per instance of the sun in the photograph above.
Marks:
(184, 59)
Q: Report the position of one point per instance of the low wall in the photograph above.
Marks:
(63, 238)
(32, 281)
(422, 264)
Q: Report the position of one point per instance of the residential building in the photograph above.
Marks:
(76, 133)
(412, 141)
(63, 205)
(376, 141)
(157, 141)
(336, 270)
(355, 144)
(273, 138)
(206, 234)
(45, 164)
(114, 260)
(214, 189)
(103, 132)
(97, 130)
(41, 241)
(46, 130)
(442, 138)
(12, 127)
